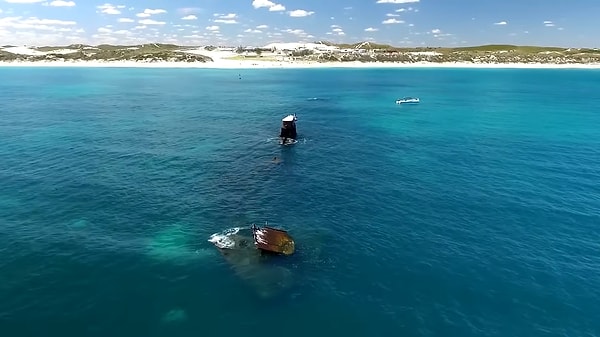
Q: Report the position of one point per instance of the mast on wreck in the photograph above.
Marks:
(288, 132)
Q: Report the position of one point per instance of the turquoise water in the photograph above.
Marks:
(474, 213)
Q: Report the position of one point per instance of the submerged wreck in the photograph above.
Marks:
(248, 250)
(272, 240)
(265, 240)
(288, 134)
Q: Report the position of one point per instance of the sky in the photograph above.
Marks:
(414, 23)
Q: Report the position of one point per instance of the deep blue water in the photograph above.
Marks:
(475, 213)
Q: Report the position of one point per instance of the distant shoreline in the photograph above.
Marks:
(250, 64)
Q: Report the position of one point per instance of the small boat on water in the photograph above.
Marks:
(288, 134)
(408, 100)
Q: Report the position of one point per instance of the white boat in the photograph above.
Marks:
(408, 100)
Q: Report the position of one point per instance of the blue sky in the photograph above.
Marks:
(259, 22)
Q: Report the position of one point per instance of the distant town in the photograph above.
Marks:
(316, 52)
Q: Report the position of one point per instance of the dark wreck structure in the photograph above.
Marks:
(288, 133)
(249, 252)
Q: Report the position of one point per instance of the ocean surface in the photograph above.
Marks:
(474, 213)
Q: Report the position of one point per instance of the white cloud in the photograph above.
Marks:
(226, 16)
(501, 23)
(126, 20)
(110, 9)
(60, 3)
(392, 15)
(151, 22)
(298, 32)
(391, 21)
(371, 29)
(396, 1)
(33, 24)
(249, 30)
(104, 30)
(147, 12)
(122, 32)
(299, 13)
(273, 7)
(23, 1)
(277, 8)
(33, 21)
(548, 23)
(189, 17)
(337, 30)
(262, 3)
(188, 10)
(262, 27)
(227, 22)
(438, 33)
(212, 28)
(154, 11)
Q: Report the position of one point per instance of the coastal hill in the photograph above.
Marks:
(320, 51)
(153, 52)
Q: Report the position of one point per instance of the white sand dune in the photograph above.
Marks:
(23, 51)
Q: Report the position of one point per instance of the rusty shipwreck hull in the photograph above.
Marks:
(273, 240)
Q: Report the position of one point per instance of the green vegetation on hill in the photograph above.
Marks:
(6, 56)
(370, 52)
(152, 52)
(508, 47)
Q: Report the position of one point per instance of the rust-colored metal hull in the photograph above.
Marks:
(274, 240)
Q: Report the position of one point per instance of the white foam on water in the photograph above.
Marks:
(289, 142)
(277, 140)
(223, 240)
